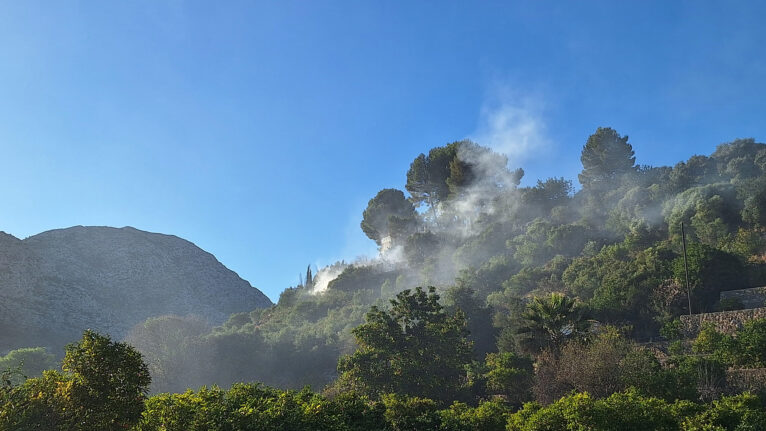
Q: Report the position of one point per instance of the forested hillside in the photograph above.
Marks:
(491, 306)
(610, 243)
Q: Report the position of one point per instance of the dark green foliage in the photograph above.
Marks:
(111, 376)
(389, 213)
(710, 272)
(415, 349)
(551, 320)
(754, 211)
(478, 315)
(356, 278)
(420, 246)
(509, 376)
(538, 279)
(427, 176)
(27, 362)
(309, 278)
(489, 277)
(746, 348)
(738, 413)
(543, 240)
(710, 213)
(548, 194)
(619, 284)
(474, 164)
(103, 388)
(487, 245)
(698, 170)
(605, 157)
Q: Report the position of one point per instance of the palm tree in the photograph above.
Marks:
(551, 320)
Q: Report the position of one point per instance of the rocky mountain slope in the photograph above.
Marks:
(56, 284)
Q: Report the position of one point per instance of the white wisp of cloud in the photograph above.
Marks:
(512, 126)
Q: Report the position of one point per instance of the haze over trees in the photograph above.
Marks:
(543, 300)
(490, 246)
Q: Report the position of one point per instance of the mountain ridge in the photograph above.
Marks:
(57, 283)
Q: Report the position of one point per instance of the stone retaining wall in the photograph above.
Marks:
(743, 380)
(724, 321)
(746, 298)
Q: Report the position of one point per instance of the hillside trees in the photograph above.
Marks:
(112, 380)
(746, 349)
(710, 271)
(551, 320)
(711, 212)
(103, 387)
(30, 362)
(754, 211)
(460, 170)
(619, 282)
(540, 199)
(605, 157)
(491, 246)
(171, 349)
(389, 213)
(427, 176)
(415, 349)
(509, 375)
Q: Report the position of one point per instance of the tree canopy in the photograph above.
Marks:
(605, 157)
(428, 174)
(389, 213)
(415, 349)
(103, 387)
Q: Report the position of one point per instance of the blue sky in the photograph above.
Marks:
(259, 130)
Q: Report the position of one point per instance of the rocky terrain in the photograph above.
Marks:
(56, 284)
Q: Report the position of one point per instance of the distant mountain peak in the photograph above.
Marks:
(57, 283)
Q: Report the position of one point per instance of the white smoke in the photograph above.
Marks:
(393, 256)
(512, 125)
(509, 125)
(325, 276)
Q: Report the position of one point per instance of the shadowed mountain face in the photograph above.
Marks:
(58, 283)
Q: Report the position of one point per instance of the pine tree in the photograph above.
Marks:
(605, 158)
(309, 278)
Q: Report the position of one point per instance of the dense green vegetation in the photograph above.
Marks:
(104, 386)
(27, 362)
(541, 304)
(488, 245)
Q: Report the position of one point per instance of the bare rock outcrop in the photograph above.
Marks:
(58, 283)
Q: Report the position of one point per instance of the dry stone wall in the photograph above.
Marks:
(744, 380)
(745, 298)
(724, 321)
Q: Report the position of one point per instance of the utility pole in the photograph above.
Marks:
(686, 269)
